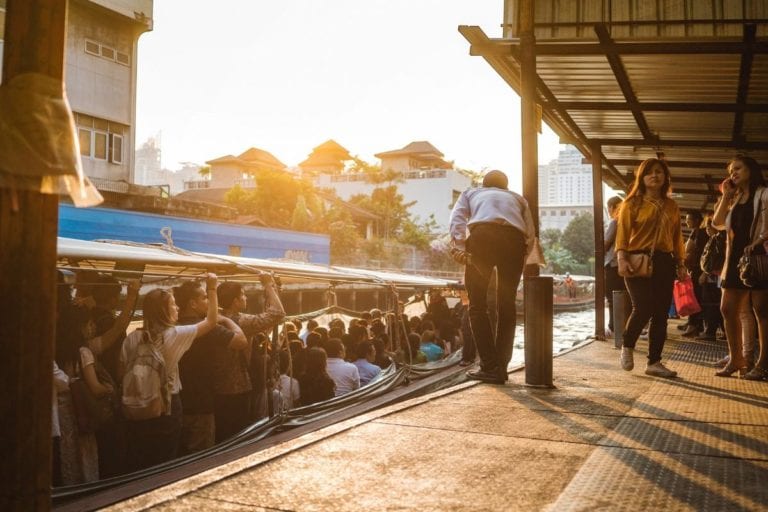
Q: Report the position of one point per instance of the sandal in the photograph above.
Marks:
(756, 373)
(729, 370)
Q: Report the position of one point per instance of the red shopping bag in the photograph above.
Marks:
(685, 300)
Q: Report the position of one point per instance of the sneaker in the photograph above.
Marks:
(627, 358)
(659, 370)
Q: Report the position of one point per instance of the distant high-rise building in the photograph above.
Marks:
(565, 189)
(149, 167)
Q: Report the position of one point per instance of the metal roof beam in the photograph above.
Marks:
(642, 143)
(677, 164)
(664, 107)
(623, 79)
(500, 47)
(745, 73)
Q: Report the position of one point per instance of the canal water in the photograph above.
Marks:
(568, 330)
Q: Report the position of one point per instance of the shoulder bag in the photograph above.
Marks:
(753, 268)
(642, 262)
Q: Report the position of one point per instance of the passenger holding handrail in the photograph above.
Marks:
(649, 222)
(743, 214)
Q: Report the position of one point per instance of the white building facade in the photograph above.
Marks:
(100, 79)
(431, 183)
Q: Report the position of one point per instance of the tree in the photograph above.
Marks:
(205, 171)
(301, 219)
(579, 237)
(550, 237)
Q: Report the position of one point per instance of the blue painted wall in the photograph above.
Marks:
(190, 234)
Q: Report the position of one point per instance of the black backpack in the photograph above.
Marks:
(713, 257)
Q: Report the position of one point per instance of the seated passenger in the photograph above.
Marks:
(316, 385)
(344, 374)
(429, 348)
(366, 355)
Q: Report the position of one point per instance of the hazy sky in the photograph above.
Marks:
(286, 75)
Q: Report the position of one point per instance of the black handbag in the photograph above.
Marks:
(91, 411)
(753, 269)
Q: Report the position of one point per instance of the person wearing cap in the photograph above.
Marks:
(501, 234)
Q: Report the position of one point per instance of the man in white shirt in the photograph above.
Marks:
(344, 374)
(501, 234)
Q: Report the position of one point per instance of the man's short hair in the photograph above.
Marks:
(495, 179)
(334, 347)
(362, 349)
(614, 201)
(227, 293)
(185, 292)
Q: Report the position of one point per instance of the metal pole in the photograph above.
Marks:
(538, 331)
(537, 291)
(597, 208)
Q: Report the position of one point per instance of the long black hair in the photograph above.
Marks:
(756, 178)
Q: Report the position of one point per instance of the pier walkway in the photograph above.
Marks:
(604, 439)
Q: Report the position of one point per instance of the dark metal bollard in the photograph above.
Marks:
(622, 307)
(537, 292)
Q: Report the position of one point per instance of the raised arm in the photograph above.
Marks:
(117, 330)
(238, 341)
(212, 315)
(273, 310)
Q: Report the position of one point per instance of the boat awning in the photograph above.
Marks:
(696, 102)
(164, 262)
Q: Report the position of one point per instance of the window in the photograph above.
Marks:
(99, 145)
(100, 139)
(85, 141)
(92, 48)
(116, 148)
(106, 52)
(234, 250)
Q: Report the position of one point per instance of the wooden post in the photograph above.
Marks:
(34, 43)
(597, 205)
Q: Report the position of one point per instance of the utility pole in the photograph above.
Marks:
(34, 43)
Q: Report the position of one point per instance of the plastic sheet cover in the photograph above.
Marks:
(39, 149)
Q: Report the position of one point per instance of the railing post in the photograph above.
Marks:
(538, 305)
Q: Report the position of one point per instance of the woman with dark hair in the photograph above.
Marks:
(743, 214)
(151, 438)
(316, 385)
(649, 222)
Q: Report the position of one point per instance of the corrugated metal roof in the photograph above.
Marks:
(695, 102)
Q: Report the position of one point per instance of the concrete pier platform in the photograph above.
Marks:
(604, 439)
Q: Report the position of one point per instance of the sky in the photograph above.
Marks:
(217, 78)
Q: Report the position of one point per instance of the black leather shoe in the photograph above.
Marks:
(484, 376)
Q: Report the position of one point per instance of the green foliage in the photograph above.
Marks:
(301, 219)
(550, 237)
(579, 237)
(243, 200)
(204, 171)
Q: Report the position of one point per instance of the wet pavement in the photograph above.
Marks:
(603, 439)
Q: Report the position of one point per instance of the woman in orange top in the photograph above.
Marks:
(650, 220)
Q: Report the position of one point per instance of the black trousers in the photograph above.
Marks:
(154, 441)
(502, 247)
(651, 297)
(233, 414)
(613, 282)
